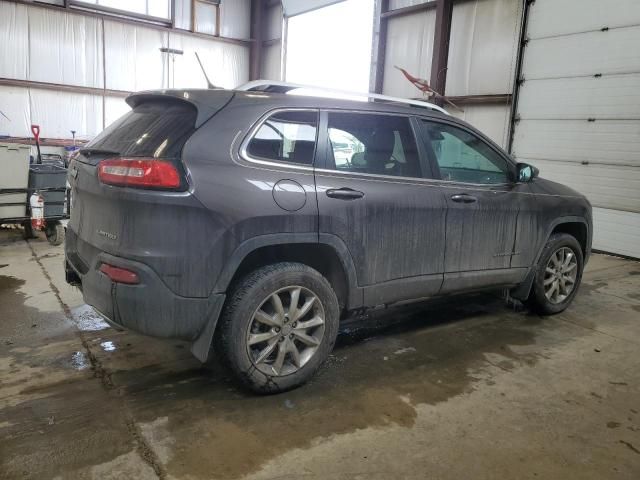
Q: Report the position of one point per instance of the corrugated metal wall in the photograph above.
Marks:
(61, 47)
(482, 55)
(579, 109)
(409, 46)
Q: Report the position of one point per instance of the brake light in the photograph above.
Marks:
(119, 275)
(138, 172)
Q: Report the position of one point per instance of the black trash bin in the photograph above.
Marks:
(43, 176)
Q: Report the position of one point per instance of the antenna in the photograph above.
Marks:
(209, 84)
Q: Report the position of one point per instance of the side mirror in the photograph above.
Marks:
(527, 172)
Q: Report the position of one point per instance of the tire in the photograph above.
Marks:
(256, 367)
(55, 233)
(541, 299)
(28, 231)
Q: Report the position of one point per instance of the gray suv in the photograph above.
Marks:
(252, 221)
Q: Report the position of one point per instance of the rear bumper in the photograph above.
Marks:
(149, 307)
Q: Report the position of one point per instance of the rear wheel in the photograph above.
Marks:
(55, 233)
(278, 326)
(558, 275)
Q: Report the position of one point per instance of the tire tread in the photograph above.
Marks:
(224, 337)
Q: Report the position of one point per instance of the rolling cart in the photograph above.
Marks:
(34, 196)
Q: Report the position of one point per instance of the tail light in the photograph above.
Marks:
(139, 172)
(119, 275)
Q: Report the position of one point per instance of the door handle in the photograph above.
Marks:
(463, 198)
(344, 193)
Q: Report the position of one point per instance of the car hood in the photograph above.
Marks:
(542, 185)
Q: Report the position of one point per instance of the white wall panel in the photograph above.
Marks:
(14, 41)
(114, 108)
(553, 17)
(65, 48)
(235, 19)
(483, 47)
(614, 51)
(616, 231)
(410, 46)
(606, 186)
(133, 57)
(273, 22)
(613, 142)
(59, 112)
(14, 103)
(226, 65)
(271, 61)
(492, 120)
(607, 97)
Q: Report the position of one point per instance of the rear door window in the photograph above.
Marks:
(373, 143)
(286, 137)
(155, 129)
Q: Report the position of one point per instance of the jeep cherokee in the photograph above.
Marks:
(252, 221)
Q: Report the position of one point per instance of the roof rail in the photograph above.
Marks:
(273, 86)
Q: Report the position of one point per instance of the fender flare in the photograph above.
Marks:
(560, 221)
(522, 291)
(245, 248)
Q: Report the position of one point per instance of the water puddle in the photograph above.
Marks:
(86, 319)
(79, 361)
(108, 346)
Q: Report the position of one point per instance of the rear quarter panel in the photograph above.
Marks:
(238, 194)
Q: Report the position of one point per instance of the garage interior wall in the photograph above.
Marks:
(578, 109)
(481, 61)
(100, 52)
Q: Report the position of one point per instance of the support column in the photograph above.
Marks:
(257, 34)
(439, 61)
(380, 44)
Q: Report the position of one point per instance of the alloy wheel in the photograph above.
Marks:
(560, 275)
(285, 331)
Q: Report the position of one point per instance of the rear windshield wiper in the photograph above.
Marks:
(87, 152)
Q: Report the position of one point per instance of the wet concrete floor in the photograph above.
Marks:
(449, 389)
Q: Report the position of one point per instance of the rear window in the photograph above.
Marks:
(152, 129)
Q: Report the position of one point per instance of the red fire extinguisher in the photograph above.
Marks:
(36, 202)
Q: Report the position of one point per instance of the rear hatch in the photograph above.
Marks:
(129, 188)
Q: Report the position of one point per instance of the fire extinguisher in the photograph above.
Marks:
(36, 202)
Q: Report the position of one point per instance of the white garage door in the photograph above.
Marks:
(579, 109)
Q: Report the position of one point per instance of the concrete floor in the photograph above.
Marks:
(451, 389)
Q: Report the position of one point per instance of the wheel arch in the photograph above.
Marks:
(327, 254)
(576, 226)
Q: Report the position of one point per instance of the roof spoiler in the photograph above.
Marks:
(206, 102)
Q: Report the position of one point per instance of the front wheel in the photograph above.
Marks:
(558, 275)
(278, 326)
